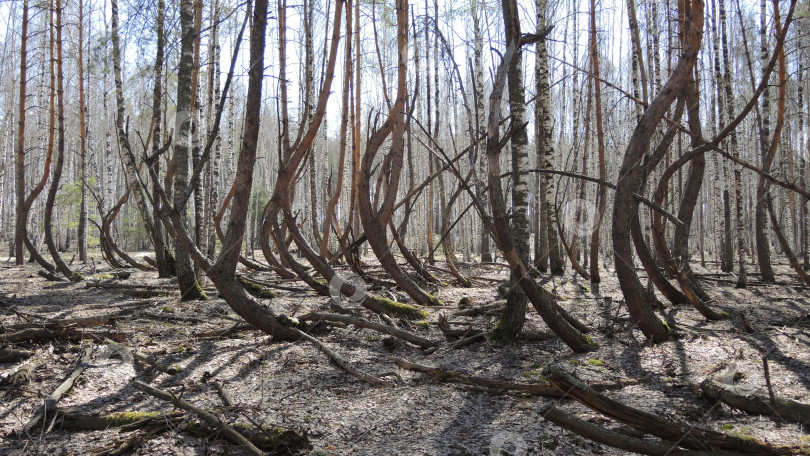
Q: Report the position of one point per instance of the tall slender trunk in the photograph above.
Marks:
(19, 230)
(738, 192)
(81, 234)
(545, 142)
(761, 216)
(480, 114)
(600, 140)
(60, 153)
(161, 251)
(344, 121)
(189, 287)
(126, 150)
(214, 97)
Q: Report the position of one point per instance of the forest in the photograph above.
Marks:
(393, 227)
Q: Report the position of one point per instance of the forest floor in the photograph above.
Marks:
(294, 385)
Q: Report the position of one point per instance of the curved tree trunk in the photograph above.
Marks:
(375, 221)
(60, 154)
(630, 175)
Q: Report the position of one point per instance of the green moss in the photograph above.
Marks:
(433, 301)
(727, 427)
(372, 339)
(255, 289)
(167, 309)
(293, 322)
(195, 293)
(502, 332)
(400, 309)
(595, 362)
(666, 326)
(124, 418)
(184, 348)
(424, 324)
(322, 282)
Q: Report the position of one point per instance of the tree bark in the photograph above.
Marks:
(600, 139)
(186, 278)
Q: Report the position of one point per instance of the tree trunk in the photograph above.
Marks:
(20, 229)
(514, 314)
(545, 143)
(161, 251)
(600, 140)
(630, 175)
(761, 216)
(60, 153)
(81, 234)
(189, 287)
(480, 115)
(375, 221)
(738, 192)
(127, 155)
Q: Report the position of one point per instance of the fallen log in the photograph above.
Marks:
(84, 322)
(446, 375)
(73, 420)
(50, 403)
(66, 333)
(363, 323)
(748, 400)
(212, 420)
(604, 436)
(687, 436)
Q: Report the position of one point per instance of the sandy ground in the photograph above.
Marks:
(295, 385)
